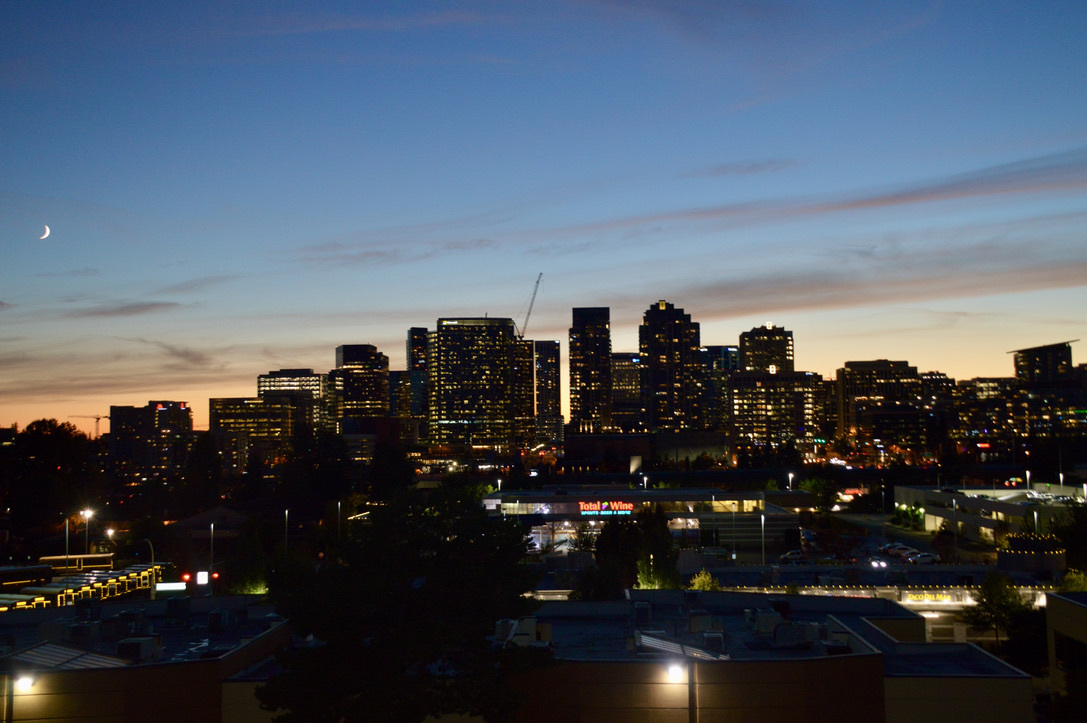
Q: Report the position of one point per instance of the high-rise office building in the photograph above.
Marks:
(1044, 365)
(360, 381)
(719, 363)
(627, 413)
(548, 393)
(766, 349)
(151, 441)
(256, 429)
(671, 351)
(774, 409)
(590, 370)
(416, 349)
(312, 390)
(870, 391)
(471, 379)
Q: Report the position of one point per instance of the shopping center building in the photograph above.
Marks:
(709, 517)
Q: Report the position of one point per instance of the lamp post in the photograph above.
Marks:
(763, 518)
(66, 526)
(211, 550)
(790, 481)
(499, 484)
(286, 516)
(87, 516)
(154, 576)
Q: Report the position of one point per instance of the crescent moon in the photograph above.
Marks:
(46, 233)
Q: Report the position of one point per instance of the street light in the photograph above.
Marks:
(499, 484)
(154, 576)
(790, 481)
(286, 515)
(87, 514)
(763, 518)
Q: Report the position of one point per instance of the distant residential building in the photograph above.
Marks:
(766, 349)
(471, 378)
(360, 381)
(590, 370)
(628, 414)
(671, 351)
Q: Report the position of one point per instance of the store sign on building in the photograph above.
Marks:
(605, 508)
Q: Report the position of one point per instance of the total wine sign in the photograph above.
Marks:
(605, 508)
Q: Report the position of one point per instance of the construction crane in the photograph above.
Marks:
(96, 417)
(531, 301)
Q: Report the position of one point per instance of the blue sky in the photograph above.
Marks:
(238, 187)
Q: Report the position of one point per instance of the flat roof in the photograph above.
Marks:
(747, 624)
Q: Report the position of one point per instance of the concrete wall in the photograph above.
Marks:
(948, 699)
(848, 687)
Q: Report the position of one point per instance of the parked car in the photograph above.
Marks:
(923, 558)
(904, 551)
(793, 556)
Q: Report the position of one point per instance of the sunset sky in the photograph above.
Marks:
(238, 187)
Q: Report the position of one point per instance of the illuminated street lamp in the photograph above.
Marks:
(790, 481)
(87, 514)
(763, 518)
(677, 673)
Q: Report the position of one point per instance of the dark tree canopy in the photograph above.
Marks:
(46, 472)
(402, 614)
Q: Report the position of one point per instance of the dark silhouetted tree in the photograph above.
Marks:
(403, 616)
(997, 601)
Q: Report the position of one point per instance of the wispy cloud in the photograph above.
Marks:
(1057, 172)
(123, 309)
(959, 272)
(75, 273)
(6, 305)
(184, 354)
(742, 168)
(197, 284)
(385, 254)
(313, 23)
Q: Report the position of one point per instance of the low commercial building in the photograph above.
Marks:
(181, 659)
(701, 656)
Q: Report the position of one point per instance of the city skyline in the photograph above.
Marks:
(234, 190)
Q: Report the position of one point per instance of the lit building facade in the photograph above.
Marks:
(766, 349)
(671, 355)
(548, 393)
(252, 430)
(470, 367)
(628, 414)
(719, 363)
(150, 441)
(869, 390)
(775, 409)
(360, 381)
(311, 388)
(590, 370)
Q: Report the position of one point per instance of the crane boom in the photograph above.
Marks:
(524, 325)
(96, 417)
